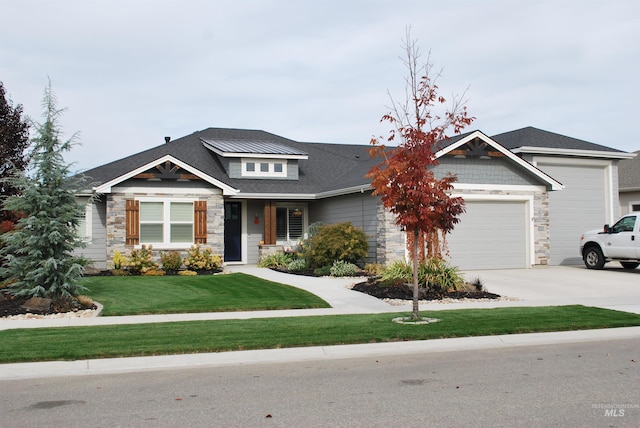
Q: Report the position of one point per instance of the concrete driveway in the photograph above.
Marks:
(612, 288)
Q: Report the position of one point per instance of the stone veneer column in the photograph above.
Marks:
(116, 226)
(215, 224)
(541, 232)
(391, 240)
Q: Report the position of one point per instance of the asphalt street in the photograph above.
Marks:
(570, 385)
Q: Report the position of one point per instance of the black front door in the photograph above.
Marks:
(232, 232)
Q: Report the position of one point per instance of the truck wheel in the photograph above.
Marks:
(593, 258)
(629, 265)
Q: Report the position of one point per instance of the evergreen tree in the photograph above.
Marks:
(38, 255)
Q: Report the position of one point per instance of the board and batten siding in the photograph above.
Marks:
(358, 208)
(95, 248)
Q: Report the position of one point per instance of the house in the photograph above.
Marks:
(244, 193)
(629, 184)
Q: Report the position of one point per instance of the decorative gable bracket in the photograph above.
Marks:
(167, 171)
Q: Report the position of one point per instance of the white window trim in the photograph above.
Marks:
(258, 173)
(88, 219)
(166, 225)
(305, 223)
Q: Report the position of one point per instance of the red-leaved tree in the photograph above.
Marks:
(405, 181)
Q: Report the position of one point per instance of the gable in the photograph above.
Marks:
(165, 168)
(478, 159)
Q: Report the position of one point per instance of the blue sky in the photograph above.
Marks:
(131, 72)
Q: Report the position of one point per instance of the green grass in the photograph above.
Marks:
(74, 343)
(136, 295)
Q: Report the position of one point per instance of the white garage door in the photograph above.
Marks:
(490, 235)
(579, 207)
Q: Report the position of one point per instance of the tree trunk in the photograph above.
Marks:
(416, 290)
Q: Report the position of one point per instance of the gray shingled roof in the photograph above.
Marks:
(329, 167)
(629, 173)
(534, 137)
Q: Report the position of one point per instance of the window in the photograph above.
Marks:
(289, 224)
(84, 223)
(625, 224)
(264, 168)
(166, 222)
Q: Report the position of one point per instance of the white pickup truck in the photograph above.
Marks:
(620, 243)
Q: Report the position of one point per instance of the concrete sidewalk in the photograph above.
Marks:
(612, 289)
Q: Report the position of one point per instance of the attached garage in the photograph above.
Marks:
(492, 234)
(580, 206)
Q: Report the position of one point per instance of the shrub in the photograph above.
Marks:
(118, 260)
(442, 277)
(435, 274)
(171, 260)
(297, 265)
(140, 260)
(187, 273)
(397, 271)
(322, 271)
(154, 272)
(85, 301)
(374, 269)
(341, 241)
(276, 261)
(342, 268)
(199, 259)
(477, 284)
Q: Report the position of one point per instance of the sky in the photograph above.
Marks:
(130, 72)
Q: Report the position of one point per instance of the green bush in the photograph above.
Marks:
(322, 271)
(399, 271)
(298, 265)
(342, 268)
(435, 274)
(276, 261)
(341, 241)
(171, 260)
(441, 277)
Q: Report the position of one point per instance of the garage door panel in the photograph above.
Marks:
(490, 235)
(578, 207)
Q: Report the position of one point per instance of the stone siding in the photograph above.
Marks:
(116, 223)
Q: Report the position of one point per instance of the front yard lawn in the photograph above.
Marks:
(75, 343)
(137, 295)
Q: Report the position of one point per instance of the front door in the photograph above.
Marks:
(232, 232)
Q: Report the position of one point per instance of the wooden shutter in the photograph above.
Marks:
(269, 222)
(200, 222)
(132, 222)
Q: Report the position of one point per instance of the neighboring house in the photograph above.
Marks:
(246, 192)
(629, 184)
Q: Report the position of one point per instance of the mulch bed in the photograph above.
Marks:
(405, 292)
(10, 305)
